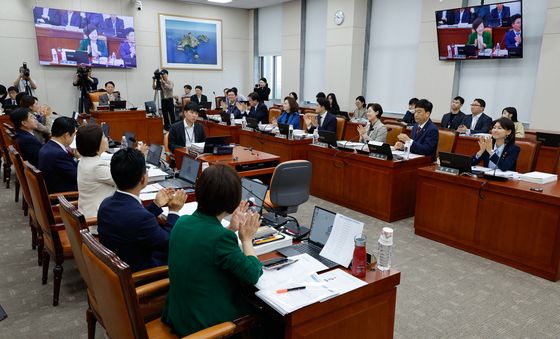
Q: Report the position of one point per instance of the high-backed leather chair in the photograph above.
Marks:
(36, 234)
(447, 140)
(274, 113)
(10, 139)
(340, 125)
(527, 159)
(117, 297)
(392, 132)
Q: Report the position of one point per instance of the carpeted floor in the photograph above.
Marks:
(444, 292)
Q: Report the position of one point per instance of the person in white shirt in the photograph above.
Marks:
(24, 83)
(94, 174)
(186, 132)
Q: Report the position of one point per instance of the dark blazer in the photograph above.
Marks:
(76, 20)
(177, 135)
(466, 17)
(505, 13)
(259, 112)
(452, 121)
(108, 27)
(449, 18)
(328, 125)
(133, 232)
(54, 15)
(60, 171)
(95, 19)
(425, 141)
(409, 118)
(8, 102)
(507, 160)
(482, 125)
(233, 109)
(203, 98)
(263, 93)
(509, 39)
(29, 146)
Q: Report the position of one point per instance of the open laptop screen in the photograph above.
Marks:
(189, 169)
(254, 189)
(154, 154)
(321, 226)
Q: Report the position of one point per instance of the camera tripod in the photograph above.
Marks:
(158, 95)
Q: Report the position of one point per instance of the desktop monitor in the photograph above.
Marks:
(117, 105)
(150, 107)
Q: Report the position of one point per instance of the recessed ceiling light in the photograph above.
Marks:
(220, 1)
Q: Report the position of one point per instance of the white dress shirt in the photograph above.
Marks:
(473, 122)
(95, 183)
(189, 134)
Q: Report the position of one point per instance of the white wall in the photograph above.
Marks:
(270, 30)
(315, 45)
(17, 36)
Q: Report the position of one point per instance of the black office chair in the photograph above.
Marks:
(289, 188)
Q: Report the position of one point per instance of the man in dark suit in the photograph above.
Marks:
(198, 97)
(477, 122)
(11, 100)
(258, 109)
(72, 18)
(463, 16)
(24, 121)
(45, 15)
(445, 17)
(501, 13)
(323, 120)
(95, 19)
(187, 131)
(125, 226)
(114, 26)
(56, 161)
(230, 105)
(513, 38)
(454, 118)
(425, 134)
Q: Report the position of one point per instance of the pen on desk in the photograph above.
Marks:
(285, 290)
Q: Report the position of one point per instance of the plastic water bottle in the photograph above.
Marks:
(243, 123)
(124, 142)
(290, 132)
(232, 119)
(498, 49)
(407, 145)
(385, 249)
(113, 59)
(449, 53)
(316, 136)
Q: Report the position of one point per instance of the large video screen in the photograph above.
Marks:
(480, 32)
(71, 38)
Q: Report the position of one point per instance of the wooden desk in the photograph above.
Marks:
(380, 188)
(501, 221)
(285, 149)
(215, 129)
(148, 130)
(244, 157)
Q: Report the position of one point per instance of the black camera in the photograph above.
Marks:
(158, 74)
(83, 71)
(23, 70)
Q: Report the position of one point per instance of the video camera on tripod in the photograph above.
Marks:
(23, 70)
(83, 72)
(158, 74)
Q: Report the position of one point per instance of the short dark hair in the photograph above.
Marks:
(234, 89)
(88, 139)
(376, 108)
(476, 23)
(13, 88)
(506, 124)
(90, 28)
(198, 86)
(481, 102)
(27, 101)
(128, 31)
(18, 98)
(218, 190)
(128, 166)
(293, 94)
(320, 95)
(163, 70)
(187, 86)
(514, 17)
(19, 115)
(361, 99)
(510, 110)
(413, 101)
(109, 82)
(323, 102)
(460, 99)
(425, 104)
(253, 96)
(293, 104)
(63, 125)
(191, 106)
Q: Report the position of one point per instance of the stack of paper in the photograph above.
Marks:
(352, 145)
(340, 244)
(197, 147)
(538, 177)
(155, 174)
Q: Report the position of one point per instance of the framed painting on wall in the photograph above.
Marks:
(190, 43)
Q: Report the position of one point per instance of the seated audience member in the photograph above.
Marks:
(258, 108)
(477, 122)
(198, 97)
(511, 113)
(72, 18)
(463, 16)
(11, 100)
(323, 120)
(335, 108)
(425, 134)
(290, 114)
(500, 151)
(25, 123)
(94, 174)
(199, 243)
(501, 13)
(127, 49)
(455, 117)
(293, 95)
(95, 47)
(374, 130)
(56, 161)
(513, 37)
(45, 15)
(125, 226)
(445, 17)
(111, 94)
(229, 105)
(361, 109)
(482, 12)
(480, 38)
(409, 115)
(187, 131)
(43, 114)
(113, 26)
(262, 90)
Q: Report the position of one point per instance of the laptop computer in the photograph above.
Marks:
(211, 142)
(383, 149)
(226, 118)
(321, 227)
(458, 161)
(255, 190)
(328, 137)
(252, 123)
(548, 139)
(284, 129)
(186, 177)
(205, 105)
(154, 154)
(150, 107)
(120, 104)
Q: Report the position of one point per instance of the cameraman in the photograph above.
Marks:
(87, 83)
(23, 82)
(167, 107)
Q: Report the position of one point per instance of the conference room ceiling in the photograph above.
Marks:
(247, 4)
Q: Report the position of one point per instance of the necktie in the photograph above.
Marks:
(13, 102)
(319, 121)
(419, 130)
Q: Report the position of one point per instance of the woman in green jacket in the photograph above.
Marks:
(480, 38)
(95, 47)
(206, 265)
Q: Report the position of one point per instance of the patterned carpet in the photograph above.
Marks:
(444, 292)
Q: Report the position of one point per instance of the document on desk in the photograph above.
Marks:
(340, 281)
(305, 265)
(340, 245)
